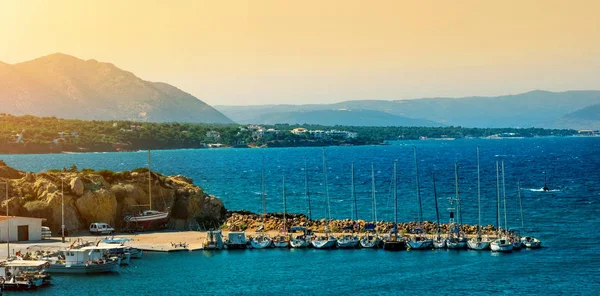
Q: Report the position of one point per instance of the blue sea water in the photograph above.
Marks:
(566, 219)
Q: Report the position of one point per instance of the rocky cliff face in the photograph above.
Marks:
(106, 197)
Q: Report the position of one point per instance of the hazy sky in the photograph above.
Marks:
(257, 52)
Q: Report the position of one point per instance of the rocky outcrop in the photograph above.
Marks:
(242, 221)
(108, 197)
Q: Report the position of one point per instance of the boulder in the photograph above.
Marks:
(77, 186)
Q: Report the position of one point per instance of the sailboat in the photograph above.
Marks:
(262, 240)
(349, 240)
(479, 242)
(501, 243)
(150, 218)
(303, 240)
(439, 242)
(327, 241)
(545, 188)
(370, 239)
(456, 238)
(514, 237)
(393, 242)
(527, 241)
(282, 240)
(419, 241)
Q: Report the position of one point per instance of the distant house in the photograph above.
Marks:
(299, 131)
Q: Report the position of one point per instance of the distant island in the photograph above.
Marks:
(30, 134)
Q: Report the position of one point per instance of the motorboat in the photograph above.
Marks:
(84, 260)
(23, 274)
(501, 245)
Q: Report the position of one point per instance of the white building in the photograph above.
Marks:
(20, 228)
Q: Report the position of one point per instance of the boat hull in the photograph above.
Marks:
(324, 244)
(420, 245)
(299, 243)
(439, 244)
(394, 245)
(456, 245)
(347, 243)
(84, 268)
(260, 243)
(478, 245)
(236, 246)
(501, 246)
(370, 243)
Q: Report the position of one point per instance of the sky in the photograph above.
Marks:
(298, 52)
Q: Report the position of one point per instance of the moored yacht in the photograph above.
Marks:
(84, 260)
(479, 242)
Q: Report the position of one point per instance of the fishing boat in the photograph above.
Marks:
(419, 241)
(501, 243)
(262, 240)
(121, 241)
(349, 240)
(23, 274)
(479, 242)
(393, 242)
(371, 239)
(545, 188)
(438, 242)
(85, 260)
(456, 238)
(149, 219)
(326, 241)
(526, 241)
(213, 240)
(236, 240)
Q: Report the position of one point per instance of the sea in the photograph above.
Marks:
(566, 218)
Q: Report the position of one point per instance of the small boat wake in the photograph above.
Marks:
(542, 190)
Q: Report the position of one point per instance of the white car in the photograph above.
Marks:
(101, 228)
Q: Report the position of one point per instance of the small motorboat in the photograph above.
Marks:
(501, 245)
(531, 242)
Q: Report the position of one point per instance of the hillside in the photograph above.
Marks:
(65, 86)
(586, 118)
(341, 117)
(531, 109)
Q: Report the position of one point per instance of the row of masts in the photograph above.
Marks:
(354, 213)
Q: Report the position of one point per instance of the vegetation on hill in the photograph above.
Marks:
(29, 134)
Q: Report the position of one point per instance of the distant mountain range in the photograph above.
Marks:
(67, 87)
(571, 109)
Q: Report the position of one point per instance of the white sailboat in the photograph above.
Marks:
(349, 240)
(303, 240)
(501, 243)
(371, 239)
(479, 242)
(283, 240)
(456, 238)
(327, 241)
(262, 240)
(393, 242)
(513, 236)
(419, 241)
(527, 241)
(439, 242)
(149, 219)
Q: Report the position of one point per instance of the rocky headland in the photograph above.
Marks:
(105, 196)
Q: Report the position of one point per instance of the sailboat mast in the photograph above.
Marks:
(395, 202)
(478, 197)
(504, 194)
(306, 190)
(7, 223)
(284, 205)
(497, 199)
(418, 187)
(437, 212)
(458, 203)
(520, 205)
(149, 180)
(354, 195)
(264, 198)
(328, 210)
(373, 193)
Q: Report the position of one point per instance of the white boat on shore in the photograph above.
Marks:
(83, 260)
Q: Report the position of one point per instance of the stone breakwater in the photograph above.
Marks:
(105, 196)
(247, 221)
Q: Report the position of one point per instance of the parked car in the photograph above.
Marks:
(101, 228)
(46, 232)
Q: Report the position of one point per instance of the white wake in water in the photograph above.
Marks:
(542, 190)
